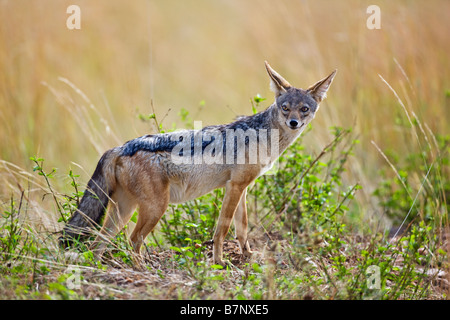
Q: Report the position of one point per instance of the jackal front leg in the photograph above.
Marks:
(233, 194)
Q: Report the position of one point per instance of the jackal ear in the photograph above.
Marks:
(277, 83)
(320, 88)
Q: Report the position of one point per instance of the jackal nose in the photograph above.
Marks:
(293, 123)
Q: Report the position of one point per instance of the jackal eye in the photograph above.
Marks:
(284, 107)
(304, 109)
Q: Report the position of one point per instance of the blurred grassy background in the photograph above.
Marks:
(208, 58)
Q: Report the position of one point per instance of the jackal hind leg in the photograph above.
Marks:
(233, 193)
(151, 209)
(241, 223)
(118, 215)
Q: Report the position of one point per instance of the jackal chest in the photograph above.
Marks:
(267, 167)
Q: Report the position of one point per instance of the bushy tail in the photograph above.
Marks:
(94, 201)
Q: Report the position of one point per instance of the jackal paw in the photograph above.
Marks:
(223, 263)
(220, 263)
(247, 253)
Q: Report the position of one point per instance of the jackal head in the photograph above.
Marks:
(297, 107)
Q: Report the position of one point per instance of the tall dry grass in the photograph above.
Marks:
(67, 95)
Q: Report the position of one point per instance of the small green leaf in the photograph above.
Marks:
(175, 249)
(257, 268)
(134, 217)
(258, 98)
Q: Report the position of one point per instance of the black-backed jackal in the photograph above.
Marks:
(154, 170)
